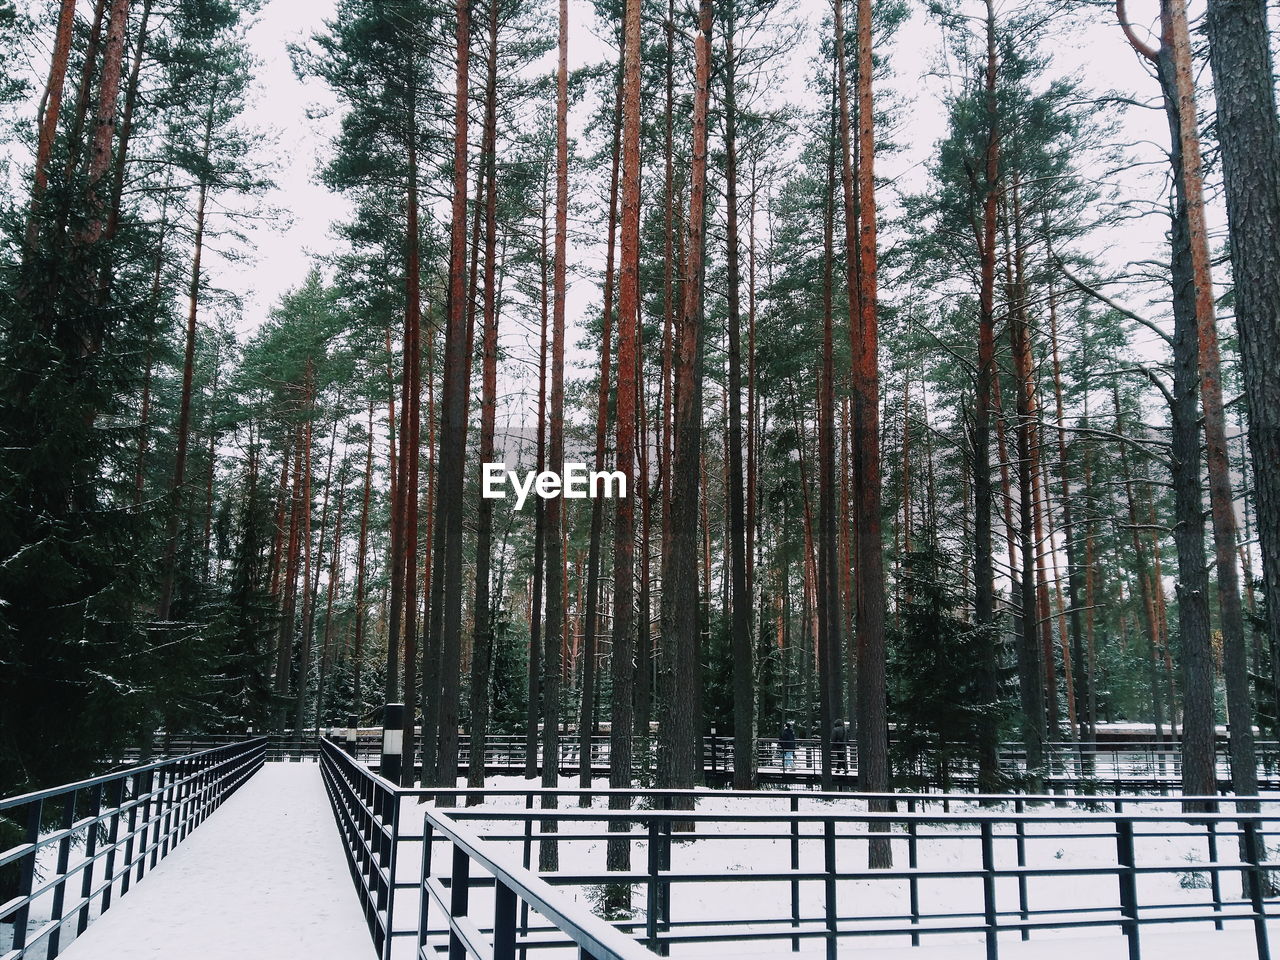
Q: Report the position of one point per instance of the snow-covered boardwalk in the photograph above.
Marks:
(264, 876)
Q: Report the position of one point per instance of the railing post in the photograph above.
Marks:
(504, 922)
(1020, 829)
(795, 868)
(90, 849)
(664, 890)
(116, 801)
(1128, 886)
(913, 862)
(459, 896)
(64, 855)
(393, 799)
(392, 741)
(989, 891)
(1215, 876)
(27, 875)
(146, 825)
(424, 901)
(1256, 885)
(127, 874)
(353, 732)
(653, 897)
(166, 814)
(526, 860)
(829, 884)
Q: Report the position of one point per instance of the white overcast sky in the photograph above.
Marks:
(282, 254)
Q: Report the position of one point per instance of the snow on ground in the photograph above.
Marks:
(263, 877)
(1084, 840)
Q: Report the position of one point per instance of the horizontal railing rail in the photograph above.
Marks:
(86, 843)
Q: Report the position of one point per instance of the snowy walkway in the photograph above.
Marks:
(264, 876)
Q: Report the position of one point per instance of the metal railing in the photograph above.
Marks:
(282, 748)
(1109, 766)
(981, 868)
(367, 809)
(108, 831)
(512, 891)
(976, 873)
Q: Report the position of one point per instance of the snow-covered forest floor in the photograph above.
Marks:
(736, 852)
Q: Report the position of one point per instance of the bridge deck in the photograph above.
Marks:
(265, 876)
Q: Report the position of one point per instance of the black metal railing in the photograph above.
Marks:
(279, 748)
(978, 872)
(1121, 767)
(86, 843)
(501, 927)
(968, 867)
(367, 809)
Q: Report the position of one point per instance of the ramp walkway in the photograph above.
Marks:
(265, 877)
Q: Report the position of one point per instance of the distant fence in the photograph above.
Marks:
(1109, 766)
(108, 831)
(981, 868)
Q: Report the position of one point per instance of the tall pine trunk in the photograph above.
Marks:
(482, 647)
(586, 712)
(170, 562)
(680, 598)
(553, 632)
(740, 599)
(1249, 135)
(446, 617)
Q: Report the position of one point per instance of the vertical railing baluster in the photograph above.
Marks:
(1215, 876)
(653, 905)
(664, 864)
(504, 921)
(989, 914)
(393, 799)
(526, 860)
(459, 899)
(113, 834)
(829, 884)
(126, 875)
(1128, 886)
(90, 856)
(60, 871)
(146, 824)
(424, 902)
(913, 862)
(1256, 885)
(27, 874)
(795, 869)
(1020, 829)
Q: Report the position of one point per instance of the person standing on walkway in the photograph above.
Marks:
(840, 746)
(787, 746)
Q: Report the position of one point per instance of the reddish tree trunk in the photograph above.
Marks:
(51, 111)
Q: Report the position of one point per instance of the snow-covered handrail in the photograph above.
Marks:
(119, 825)
(595, 938)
